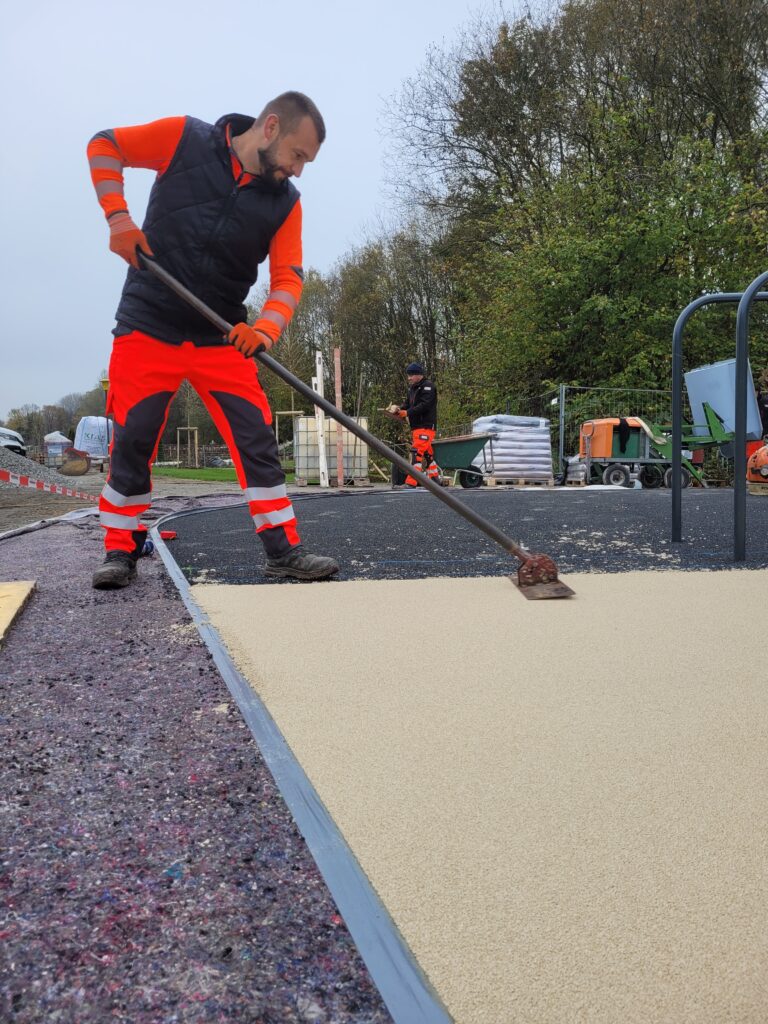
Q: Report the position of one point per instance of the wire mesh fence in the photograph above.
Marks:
(567, 407)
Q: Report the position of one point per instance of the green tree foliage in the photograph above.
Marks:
(384, 305)
(33, 422)
(569, 183)
(599, 169)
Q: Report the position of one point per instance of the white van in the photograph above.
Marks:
(13, 441)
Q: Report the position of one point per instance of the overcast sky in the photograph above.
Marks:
(68, 70)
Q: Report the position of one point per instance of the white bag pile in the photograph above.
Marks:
(520, 449)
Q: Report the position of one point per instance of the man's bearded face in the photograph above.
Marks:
(271, 171)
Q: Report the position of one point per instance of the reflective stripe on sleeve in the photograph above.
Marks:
(108, 187)
(285, 297)
(106, 163)
(275, 317)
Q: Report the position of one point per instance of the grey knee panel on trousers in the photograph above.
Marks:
(134, 443)
(254, 439)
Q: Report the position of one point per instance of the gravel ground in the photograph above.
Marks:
(150, 871)
(20, 506)
(26, 467)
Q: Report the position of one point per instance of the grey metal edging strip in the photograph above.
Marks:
(406, 991)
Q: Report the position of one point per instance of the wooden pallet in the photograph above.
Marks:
(499, 481)
(575, 483)
(755, 487)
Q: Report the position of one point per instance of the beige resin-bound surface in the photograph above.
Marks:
(563, 804)
(13, 597)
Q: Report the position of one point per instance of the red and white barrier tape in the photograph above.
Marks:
(24, 481)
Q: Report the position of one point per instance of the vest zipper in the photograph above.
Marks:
(223, 216)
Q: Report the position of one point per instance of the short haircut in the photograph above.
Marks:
(290, 108)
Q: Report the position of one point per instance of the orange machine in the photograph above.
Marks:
(757, 471)
(601, 433)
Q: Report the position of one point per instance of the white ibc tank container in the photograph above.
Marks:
(307, 457)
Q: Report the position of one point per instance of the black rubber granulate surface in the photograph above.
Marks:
(412, 535)
(150, 872)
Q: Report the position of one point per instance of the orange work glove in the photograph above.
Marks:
(403, 414)
(124, 236)
(247, 341)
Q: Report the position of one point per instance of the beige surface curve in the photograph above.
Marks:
(13, 597)
(562, 804)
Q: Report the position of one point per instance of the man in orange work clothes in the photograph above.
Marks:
(420, 409)
(221, 203)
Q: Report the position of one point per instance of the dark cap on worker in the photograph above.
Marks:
(413, 368)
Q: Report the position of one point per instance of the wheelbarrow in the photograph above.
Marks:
(453, 455)
(456, 455)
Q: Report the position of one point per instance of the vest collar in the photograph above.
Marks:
(237, 124)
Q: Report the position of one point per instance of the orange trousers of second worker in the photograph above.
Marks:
(423, 455)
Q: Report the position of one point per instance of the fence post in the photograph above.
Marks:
(740, 416)
(318, 383)
(561, 438)
(339, 428)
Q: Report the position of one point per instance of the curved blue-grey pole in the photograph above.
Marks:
(740, 440)
(677, 400)
(677, 389)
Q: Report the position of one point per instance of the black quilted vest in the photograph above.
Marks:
(206, 231)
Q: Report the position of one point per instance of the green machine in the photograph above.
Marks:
(611, 449)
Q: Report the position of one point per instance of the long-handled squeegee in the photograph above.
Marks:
(537, 574)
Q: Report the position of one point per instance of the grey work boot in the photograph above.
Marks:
(298, 565)
(117, 570)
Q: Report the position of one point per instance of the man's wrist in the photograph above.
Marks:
(270, 330)
(120, 221)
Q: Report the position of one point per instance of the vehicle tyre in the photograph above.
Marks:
(651, 476)
(472, 479)
(685, 476)
(616, 475)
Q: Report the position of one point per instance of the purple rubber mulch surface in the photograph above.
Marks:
(150, 871)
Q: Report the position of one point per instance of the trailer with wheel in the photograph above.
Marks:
(616, 449)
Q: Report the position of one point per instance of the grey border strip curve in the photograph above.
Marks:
(406, 991)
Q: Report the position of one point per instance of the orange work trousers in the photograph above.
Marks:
(423, 455)
(144, 376)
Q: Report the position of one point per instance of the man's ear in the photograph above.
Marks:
(271, 127)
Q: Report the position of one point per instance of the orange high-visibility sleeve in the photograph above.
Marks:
(145, 145)
(286, 276)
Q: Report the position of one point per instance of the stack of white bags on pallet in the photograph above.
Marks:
(520, 448)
